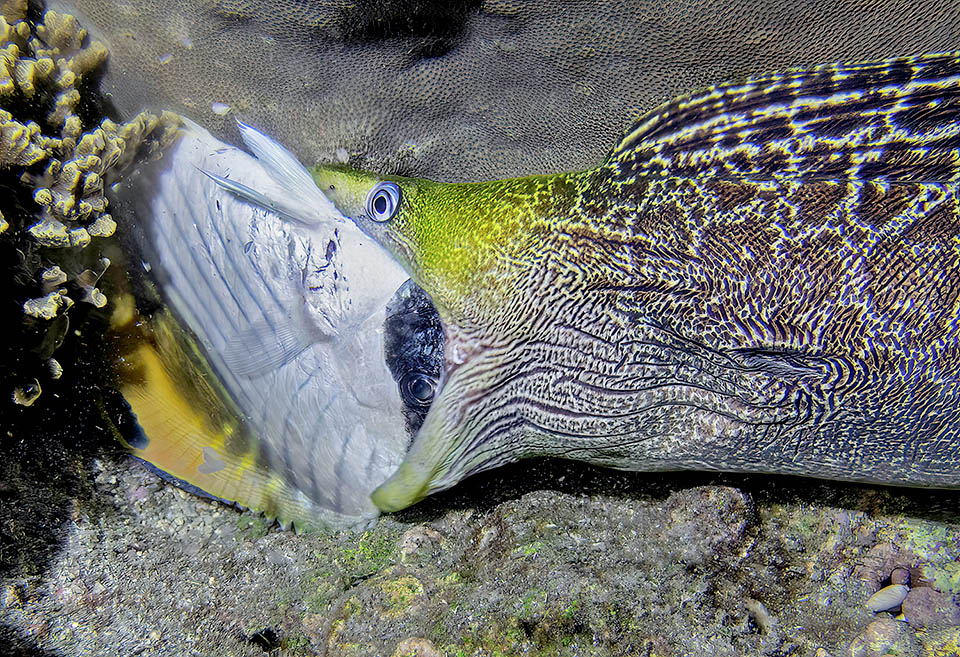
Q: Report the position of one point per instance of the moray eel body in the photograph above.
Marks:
(762, 277)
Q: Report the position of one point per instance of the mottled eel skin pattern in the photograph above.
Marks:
(764, 276)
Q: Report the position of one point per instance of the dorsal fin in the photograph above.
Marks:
(896, 120)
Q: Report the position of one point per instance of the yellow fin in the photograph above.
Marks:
(193, 432)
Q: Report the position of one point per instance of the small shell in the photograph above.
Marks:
(889, 597)
(56, 369)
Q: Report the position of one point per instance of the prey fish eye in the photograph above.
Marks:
(418, 388)
(383, 201)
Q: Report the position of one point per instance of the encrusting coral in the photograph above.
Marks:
(58, 154)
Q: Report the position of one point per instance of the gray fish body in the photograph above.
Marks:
(291, 321)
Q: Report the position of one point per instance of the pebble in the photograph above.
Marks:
(887, 598)
(418, 541)
(885, 636)
(900, 576)
(927, 608)
(416, 647)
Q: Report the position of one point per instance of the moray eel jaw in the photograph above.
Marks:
(444, 452)
(426, 467)
(420, 474)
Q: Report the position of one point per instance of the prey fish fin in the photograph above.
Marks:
(267, 344)
(188, 428)
(291, 191)
(889, 121)
(251, 195)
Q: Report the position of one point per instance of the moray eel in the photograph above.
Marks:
(761, 277)
(277, 367)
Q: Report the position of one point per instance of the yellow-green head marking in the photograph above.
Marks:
(761, 277)
(461, 241)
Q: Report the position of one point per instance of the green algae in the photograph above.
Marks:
(936, 543)
(401, 593)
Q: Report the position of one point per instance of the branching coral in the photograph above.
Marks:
(59, 153)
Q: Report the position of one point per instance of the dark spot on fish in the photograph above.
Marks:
(248, 246)
(219, 209)
(331, 250)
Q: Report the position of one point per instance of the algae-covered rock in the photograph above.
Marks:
(928, 608)
(883, 637)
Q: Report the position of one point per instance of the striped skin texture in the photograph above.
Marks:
(762, 277)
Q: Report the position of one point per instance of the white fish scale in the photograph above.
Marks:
(330, 414)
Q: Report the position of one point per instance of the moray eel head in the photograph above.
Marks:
(424, 224)
(459, 242)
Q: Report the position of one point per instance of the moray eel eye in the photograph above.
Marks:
(383, 201)
(417, 389)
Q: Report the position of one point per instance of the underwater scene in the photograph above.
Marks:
(480, 328)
